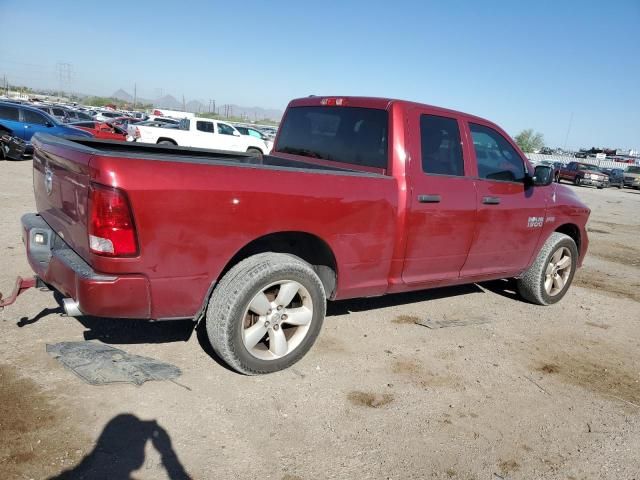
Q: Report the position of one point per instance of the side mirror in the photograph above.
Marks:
(236, 133)
(542, 176)
(48, 124)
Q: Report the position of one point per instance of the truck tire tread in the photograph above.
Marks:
(531, 284)
(229, 299)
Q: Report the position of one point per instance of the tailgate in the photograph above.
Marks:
(61, 186)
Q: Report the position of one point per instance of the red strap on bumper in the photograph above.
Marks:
(22, 284)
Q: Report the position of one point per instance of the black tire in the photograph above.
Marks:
(619, 187)
(231, 297)
(599, 188)
(531, 284)
(577, 181)
(254, 151)
(166, 142)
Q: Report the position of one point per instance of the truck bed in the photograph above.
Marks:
(187, 154)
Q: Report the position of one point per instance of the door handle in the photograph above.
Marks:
(429, 198)
(491, 200)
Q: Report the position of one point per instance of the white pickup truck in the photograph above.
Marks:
(201, 133)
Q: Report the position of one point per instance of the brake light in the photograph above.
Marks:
(111, 229)
(334, 102)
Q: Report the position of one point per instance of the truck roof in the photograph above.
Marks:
(380, 103)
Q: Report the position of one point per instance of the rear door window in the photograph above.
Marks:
(9, 112)
(497, 159)
(204, 126)
(352, 135)
(441, 147)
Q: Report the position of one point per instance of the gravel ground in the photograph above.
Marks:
(521, 392)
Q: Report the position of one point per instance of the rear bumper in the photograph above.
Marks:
(97, 294)
(15, 148)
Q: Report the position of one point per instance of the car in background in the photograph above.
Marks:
(165, 120)
(583, 174)
(632, 177)
(252, 132)
(102, 130)
(106, 116)
(24, 121)
(64, 115)
(616, 176)
(124, 122)
(580, 154)
(12, 147)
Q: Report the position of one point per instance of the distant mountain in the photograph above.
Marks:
(122, 95)
(196, 106)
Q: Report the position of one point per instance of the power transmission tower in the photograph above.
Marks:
(64, 71)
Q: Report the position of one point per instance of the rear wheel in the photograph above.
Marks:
(266, 313)
(551, 274)
(577, 181)
(166, 142)
(254, 151)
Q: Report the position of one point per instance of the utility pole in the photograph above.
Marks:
(566, 138)
(135, 94)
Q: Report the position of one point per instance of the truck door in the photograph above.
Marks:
(442, 205)
(510, 212)
(228, 137)
(204, 136)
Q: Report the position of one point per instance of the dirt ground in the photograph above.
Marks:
(520, 392)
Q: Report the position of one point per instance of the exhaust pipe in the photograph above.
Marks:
(71, 307)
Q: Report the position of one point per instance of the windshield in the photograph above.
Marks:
(352, 135)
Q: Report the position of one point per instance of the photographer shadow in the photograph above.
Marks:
(120, 451)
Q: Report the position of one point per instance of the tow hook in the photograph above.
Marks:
(22, 285)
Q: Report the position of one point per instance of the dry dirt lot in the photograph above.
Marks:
(524, 392)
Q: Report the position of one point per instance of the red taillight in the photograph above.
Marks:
(111, 229)
(334, 102)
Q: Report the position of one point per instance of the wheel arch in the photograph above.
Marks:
(166, 139)
(571, 230)
(307, 246)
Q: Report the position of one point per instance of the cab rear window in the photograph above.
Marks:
(352, 135)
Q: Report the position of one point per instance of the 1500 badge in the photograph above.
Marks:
(535, 222)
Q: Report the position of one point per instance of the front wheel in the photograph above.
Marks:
(549, 278)
(266, 313)
(577, 181)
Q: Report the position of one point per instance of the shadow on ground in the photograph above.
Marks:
(120, 451)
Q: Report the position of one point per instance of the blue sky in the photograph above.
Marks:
(520, 64)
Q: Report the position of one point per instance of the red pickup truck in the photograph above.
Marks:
(583, 174)
(361, 197)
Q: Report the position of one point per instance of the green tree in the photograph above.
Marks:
(528, 140)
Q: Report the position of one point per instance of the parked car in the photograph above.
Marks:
(24, 121)
(616, 176)
(583, 174)
(632, 177)
(580, 154)
(102, 130)
(257, 134)
(13, 147)
(124, 122)
(253, 247)
(105, 116)
(160, 119)
(199, 132)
